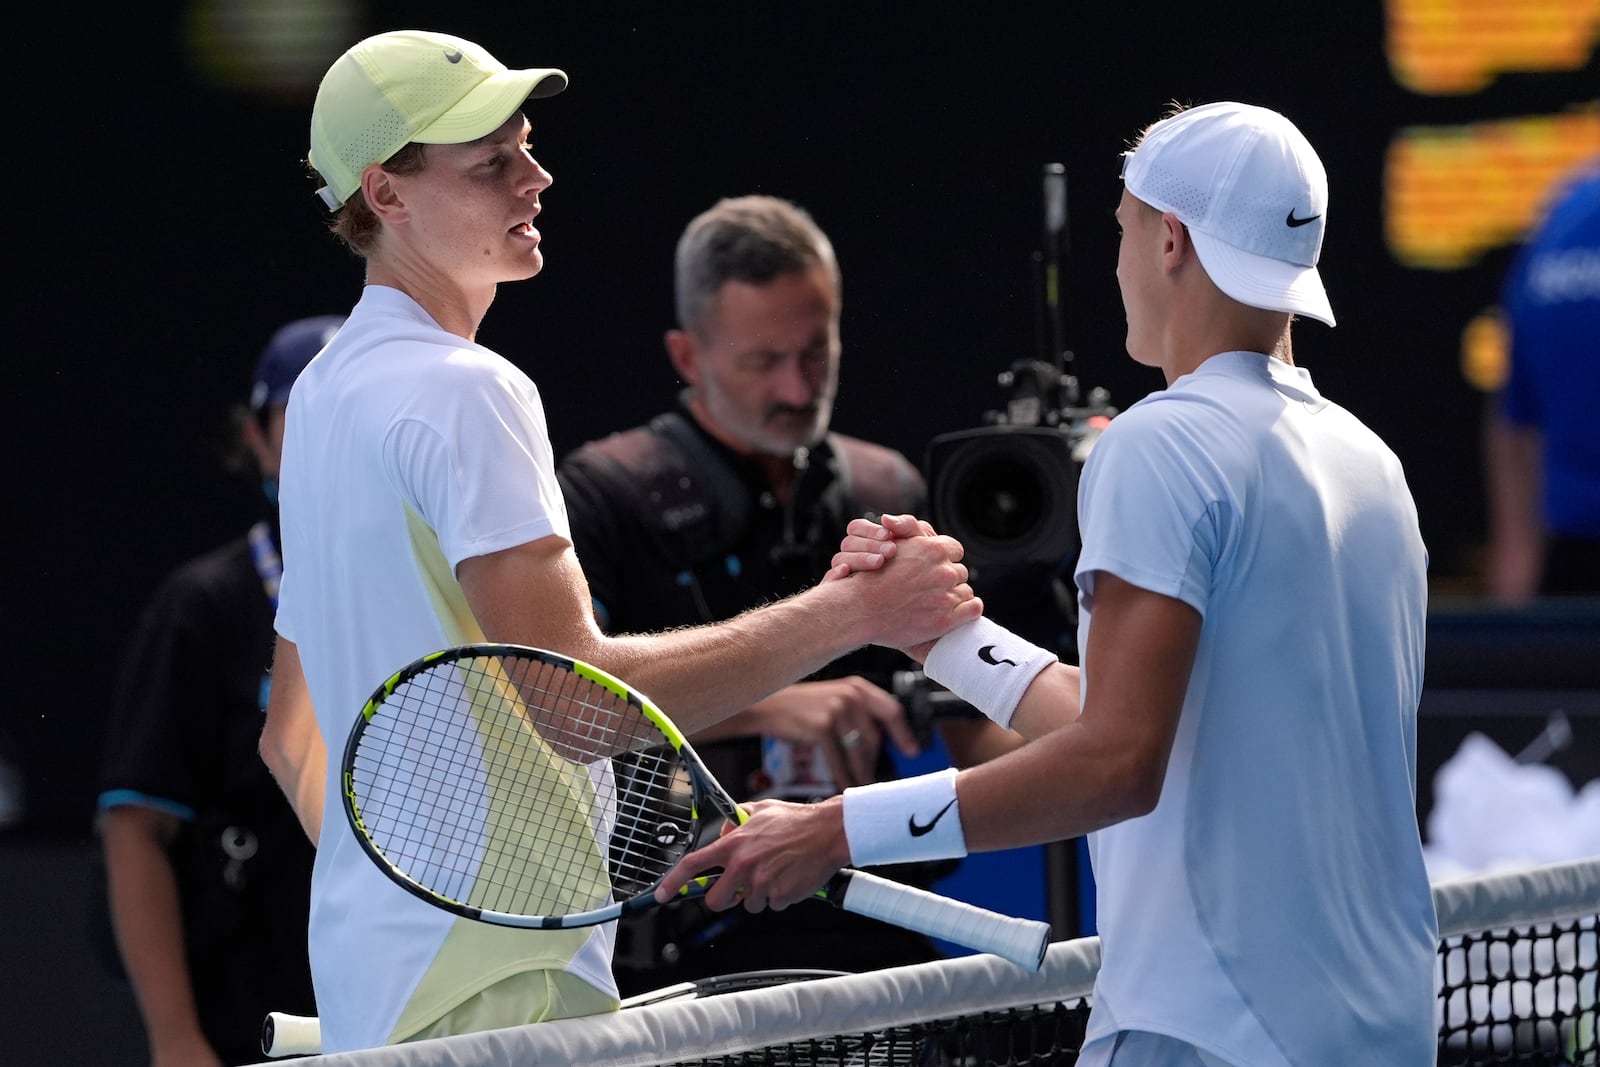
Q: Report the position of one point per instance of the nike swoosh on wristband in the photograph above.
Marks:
(986, 653)
(917, 829)
(1292, 221)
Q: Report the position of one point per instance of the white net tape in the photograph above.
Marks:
(1490, 984)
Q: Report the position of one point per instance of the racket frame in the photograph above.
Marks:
(1021, 941)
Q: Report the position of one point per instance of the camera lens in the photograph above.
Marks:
(1001, 498)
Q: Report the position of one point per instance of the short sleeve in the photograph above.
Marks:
(1152, 511)
(473, 459)
(283, 623)
(190, 670)
(144, 741)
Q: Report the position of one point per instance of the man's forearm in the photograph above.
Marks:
(300, 769)
(535, 594)
(146, 916)
(302, 777)
(700, 675)
(1516, 533)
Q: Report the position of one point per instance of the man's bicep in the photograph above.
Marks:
(1141, 649)
(288, 697)
(291, 743)
(597, 537)
(532, 594)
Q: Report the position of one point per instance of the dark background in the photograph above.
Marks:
(186, 232)
(164, 228)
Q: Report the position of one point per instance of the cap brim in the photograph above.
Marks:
(490, 103)
(1261, 281)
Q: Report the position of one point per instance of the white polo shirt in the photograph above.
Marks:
(408, 449)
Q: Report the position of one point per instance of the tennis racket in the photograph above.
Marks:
(519, 787)
(283, 1034)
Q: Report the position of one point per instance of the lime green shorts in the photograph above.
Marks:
(529, 997)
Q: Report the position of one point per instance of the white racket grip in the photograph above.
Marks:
(291, 1035)
(1021, 941)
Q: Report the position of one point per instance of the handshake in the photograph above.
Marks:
(905, 584)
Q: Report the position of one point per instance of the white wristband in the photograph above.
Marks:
(904, 821)
(986, 665)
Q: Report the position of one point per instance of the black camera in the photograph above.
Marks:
(1008, 492)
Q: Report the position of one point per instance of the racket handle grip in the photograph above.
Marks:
(283, 1034)
(1021, 941)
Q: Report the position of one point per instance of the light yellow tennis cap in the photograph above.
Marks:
(410, 85)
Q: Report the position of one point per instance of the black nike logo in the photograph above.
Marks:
(986, 653)
(455, 57)
(918, 829)
(1292, 221)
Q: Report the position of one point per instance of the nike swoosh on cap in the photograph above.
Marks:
(1292, 221)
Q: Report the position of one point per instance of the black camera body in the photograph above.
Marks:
(1008, 492)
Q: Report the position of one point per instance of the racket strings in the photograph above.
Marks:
(655, 818)
(519, 786)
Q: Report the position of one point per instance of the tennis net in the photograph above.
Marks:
(1516, 977)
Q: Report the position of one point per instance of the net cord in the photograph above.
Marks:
(1553, 893)
(862, 1003)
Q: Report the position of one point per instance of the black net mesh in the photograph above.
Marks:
(1519, 995)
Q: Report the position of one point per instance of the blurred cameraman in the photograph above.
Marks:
(737, 498)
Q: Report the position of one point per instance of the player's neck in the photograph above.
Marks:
(454, 308)
(1225, 327)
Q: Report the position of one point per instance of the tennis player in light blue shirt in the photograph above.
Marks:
(1240, 743)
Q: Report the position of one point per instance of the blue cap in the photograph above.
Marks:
(286, 355)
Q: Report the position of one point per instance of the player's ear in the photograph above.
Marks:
(684, 352)
(1175, 243)
(383, 197)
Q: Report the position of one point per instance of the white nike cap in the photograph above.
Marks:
(411, 85)
(1253, 194)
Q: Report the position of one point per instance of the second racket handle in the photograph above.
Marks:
(290, 1035)
(1021, 941)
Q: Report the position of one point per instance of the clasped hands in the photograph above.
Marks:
(785, 852)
